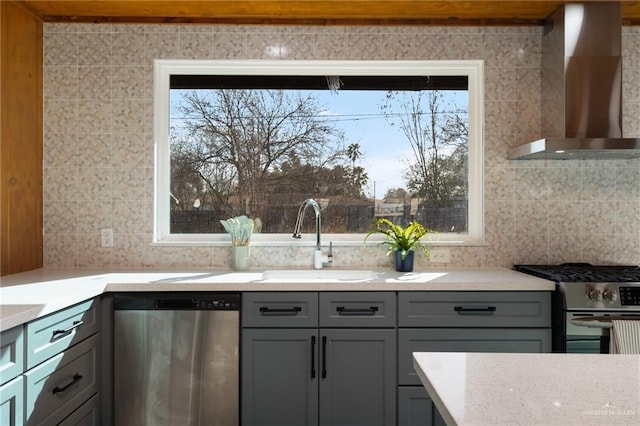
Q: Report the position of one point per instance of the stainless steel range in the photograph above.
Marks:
(587, 297)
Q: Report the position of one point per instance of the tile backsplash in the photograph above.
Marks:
(99, 148)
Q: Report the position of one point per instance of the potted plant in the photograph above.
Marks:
(401, 241)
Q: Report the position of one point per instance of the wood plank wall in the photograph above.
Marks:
(20, 139)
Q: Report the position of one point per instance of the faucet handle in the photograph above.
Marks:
(330, 255)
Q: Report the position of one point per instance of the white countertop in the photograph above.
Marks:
(29, 295)
(532, 389)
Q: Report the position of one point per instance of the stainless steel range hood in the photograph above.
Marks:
(582, 87)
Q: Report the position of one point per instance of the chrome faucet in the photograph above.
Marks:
(318, 258)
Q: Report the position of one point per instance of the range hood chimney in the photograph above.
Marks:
(582, 86)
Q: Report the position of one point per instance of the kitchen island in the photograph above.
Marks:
(532, 389)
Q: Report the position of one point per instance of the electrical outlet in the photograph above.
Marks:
(106, 234)
(439, 256)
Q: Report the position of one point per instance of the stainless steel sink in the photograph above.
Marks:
(320, 275)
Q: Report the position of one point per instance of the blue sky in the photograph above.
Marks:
(384, 147)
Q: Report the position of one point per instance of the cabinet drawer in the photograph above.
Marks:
(11, 353)
(416, 409)
(357, 309)
(289, 309)
(61, 384)
(54, 333)
(474, 309)
(12, 402)
(465, 340)
(87, 415)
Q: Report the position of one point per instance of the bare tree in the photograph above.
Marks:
(437, 134)
(237, 138)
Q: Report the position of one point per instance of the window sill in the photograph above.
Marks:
(277, 242)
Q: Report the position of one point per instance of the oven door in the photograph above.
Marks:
(585, 338)
(587, 345)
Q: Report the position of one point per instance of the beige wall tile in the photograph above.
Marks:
(98, 144)
(196, 45)
(94, 49)
(60, 49)
(95, 82)
(92, 216)
(61, 82)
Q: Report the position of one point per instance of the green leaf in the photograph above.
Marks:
(400, 239)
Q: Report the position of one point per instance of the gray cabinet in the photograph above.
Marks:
(279, 377)
(290, 309)
(465, 340)
(305, 374)
(87, 415)
(463, 322)
(357, 377)
(416, 409)
(474, 309)
(364, 309)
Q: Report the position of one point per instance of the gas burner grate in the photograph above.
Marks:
(583, 272)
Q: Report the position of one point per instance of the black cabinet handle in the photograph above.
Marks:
(474, 309)
(76, 378)
(371, 310)
(324, 357)
(313, 357)
(292, 311)
(67, 330)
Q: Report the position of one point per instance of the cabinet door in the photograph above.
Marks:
(416, 409)
(12, 402)
(11, 353)
(465, 340)
(279, 377)
(357, 377)
(58, 386)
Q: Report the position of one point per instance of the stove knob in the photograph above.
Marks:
(609, 295)
(594, 295)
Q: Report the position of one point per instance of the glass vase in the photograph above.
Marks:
(240, 258)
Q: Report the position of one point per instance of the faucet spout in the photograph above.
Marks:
(318, 258)
(297, 230)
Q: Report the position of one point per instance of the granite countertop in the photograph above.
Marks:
(532, 389)
(30, 295)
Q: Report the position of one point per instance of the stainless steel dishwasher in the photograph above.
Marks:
(176, 359)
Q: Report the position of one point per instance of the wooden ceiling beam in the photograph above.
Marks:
(389, 12)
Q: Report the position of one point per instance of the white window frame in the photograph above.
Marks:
(163, 69)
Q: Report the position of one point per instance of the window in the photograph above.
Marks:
(365, 139)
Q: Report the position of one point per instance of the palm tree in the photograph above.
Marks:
(353, 153)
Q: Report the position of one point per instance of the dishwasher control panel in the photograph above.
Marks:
(217, 304)
(211, 301)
